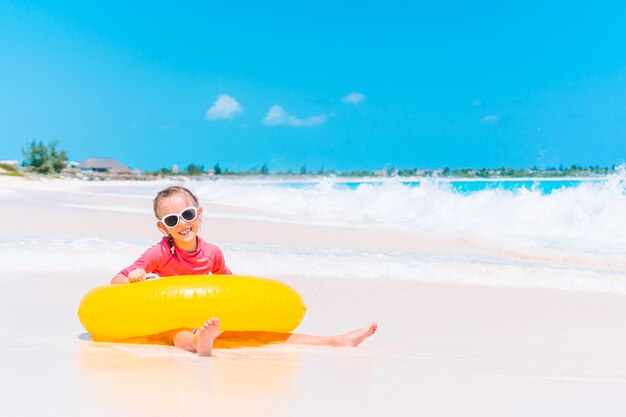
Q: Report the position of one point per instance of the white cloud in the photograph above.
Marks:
(277, 116)
(354, 98)
(492, 118)
(225, 107)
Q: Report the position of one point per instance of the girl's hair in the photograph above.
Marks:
(169, 191)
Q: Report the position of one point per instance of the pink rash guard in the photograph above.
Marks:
(207, 259)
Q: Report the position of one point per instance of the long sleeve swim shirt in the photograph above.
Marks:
(207, 259)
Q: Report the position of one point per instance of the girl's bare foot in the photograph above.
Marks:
(205, 336)
(355, 337)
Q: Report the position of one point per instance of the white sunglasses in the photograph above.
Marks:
(188, 215)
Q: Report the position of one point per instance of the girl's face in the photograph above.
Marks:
(185, 232)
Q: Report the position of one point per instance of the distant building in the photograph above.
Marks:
(103, 165)
(392, 172)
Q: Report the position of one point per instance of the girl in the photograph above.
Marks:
(183, 252)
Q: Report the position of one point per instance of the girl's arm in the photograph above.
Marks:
(147, 261)
(219, 264)
(133, 276)
(120, 279)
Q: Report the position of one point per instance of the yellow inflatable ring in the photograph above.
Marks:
(117, 312)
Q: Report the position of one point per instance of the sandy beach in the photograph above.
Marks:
(445, 347)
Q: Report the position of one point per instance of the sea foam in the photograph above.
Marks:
(587, 217)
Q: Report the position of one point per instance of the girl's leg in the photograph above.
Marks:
(351, 339)
(200, 342)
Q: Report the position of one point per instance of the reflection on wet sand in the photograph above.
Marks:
(156, 380)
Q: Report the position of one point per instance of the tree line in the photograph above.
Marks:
(49, 159)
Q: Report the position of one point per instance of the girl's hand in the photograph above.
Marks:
(136, 276)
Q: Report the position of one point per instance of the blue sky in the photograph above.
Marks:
(340, 84)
